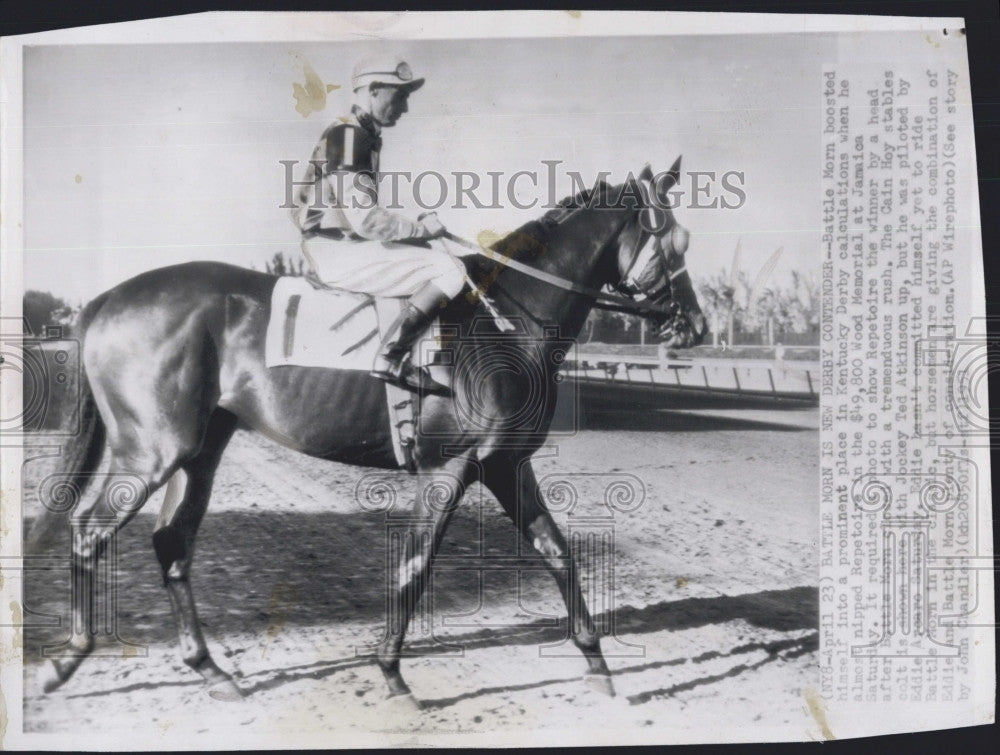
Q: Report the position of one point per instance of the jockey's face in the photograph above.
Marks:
(387, 103)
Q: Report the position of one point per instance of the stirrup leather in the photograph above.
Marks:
(408, 376)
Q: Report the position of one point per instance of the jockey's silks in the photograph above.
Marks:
(340, 187)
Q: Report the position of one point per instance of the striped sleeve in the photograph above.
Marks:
(347, 149)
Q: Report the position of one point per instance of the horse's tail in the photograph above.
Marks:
(81, 453)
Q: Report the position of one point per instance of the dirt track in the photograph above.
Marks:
(714, 603)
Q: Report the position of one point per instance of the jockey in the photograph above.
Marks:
(353, 244)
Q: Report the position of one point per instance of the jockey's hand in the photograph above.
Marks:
(433, 227)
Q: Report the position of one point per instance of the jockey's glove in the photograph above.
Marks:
(432, 227)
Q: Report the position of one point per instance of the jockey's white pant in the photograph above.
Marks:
(383, 268)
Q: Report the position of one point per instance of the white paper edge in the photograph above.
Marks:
(225, 27)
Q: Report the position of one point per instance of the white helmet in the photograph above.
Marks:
(391, 70)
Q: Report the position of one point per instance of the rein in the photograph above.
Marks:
(602, 300)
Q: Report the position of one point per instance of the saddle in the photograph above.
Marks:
(311, 325)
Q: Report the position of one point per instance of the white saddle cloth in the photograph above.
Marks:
(312, 327)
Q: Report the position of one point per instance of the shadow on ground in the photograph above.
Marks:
(781, 610)
(665, 420)
(790, 610)
(254, 570)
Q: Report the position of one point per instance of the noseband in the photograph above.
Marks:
(649, 246)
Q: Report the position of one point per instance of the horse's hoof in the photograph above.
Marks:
(401, 705)
(600, 683)
(226, 691)
(52, 677)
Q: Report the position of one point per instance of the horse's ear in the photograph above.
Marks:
(668, 180)
(647, 174)
(675, 169)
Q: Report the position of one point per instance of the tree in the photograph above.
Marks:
(604, 326)
(805, 306)
(281, 266)
(769, 309)
(41, 308)
(733, 302)
(717, 299)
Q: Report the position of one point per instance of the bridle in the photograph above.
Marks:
(649, 246)
(646, 307)
(635, 299)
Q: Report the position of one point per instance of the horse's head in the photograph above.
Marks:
(650, 260)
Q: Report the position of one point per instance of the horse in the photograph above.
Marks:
(173, 363)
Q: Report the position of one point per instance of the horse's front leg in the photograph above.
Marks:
(438, 496)
(512, 481)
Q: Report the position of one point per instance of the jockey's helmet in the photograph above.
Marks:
(391, 70)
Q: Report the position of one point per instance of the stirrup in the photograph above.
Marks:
(407, 376)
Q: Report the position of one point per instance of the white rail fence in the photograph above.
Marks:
(752, 377)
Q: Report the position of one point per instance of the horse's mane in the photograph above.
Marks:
(559, 213)
(533, 234)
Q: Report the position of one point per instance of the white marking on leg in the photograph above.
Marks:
(177, 487)
(410, 569)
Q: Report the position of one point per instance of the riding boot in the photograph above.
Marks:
(393, 363)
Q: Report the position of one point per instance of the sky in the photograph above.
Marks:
(139, 156)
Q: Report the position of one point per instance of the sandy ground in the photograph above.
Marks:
(712, 613)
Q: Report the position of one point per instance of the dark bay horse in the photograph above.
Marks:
(174, 362)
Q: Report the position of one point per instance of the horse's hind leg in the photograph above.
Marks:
(94, 526)
(173, 539)
(517, 491)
